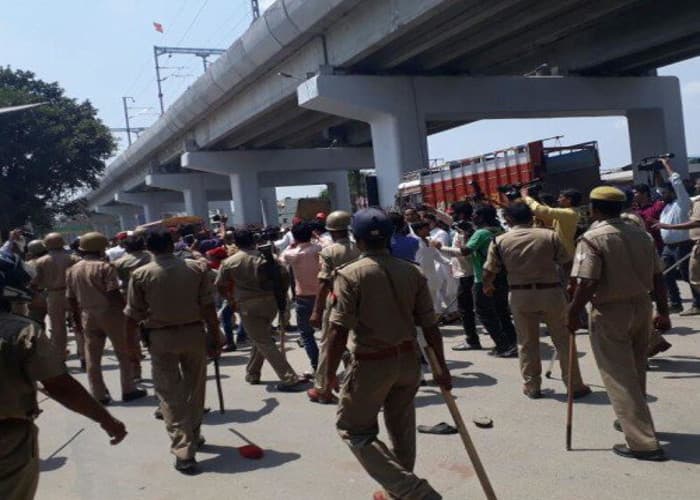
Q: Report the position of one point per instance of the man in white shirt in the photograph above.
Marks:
(463, 272)
(677, 243)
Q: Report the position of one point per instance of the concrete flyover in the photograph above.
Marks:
(243, 104)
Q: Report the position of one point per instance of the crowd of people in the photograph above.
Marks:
(368, 282)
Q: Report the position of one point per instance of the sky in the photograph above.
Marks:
(103, 50)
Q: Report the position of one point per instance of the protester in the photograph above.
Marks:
(677, 243)
(304, 261)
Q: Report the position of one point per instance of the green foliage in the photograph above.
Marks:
(48, 153)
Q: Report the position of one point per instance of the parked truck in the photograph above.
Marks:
(557, 167)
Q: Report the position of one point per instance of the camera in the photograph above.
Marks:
(653, 163)
(512, 191)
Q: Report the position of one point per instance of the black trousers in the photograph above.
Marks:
(465, 304)
(494, 313)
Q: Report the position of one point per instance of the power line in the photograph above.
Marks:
(196, 17)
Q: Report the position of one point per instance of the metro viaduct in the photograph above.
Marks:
(318, 87)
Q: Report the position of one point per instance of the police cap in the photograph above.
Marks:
(372, 224)
(93, 242)
(338, 221)
(608, 193)
(54, 241)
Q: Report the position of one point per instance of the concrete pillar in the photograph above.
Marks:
(245, 194)
(268, 198)
(339, 191)
(397, 107)
(397, 122)
(153, 202)
(129, 216)
(658, 131)
(249, 170)
(193, 186)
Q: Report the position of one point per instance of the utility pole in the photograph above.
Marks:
(126, 116)
(256, 9)
(159, 51)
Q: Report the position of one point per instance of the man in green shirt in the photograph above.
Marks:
(493, 312)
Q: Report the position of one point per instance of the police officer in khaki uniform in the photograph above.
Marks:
(531, 257)
(27, 357)
(51, 276)
(136, 256)
(94, 297)
(615, 268)
(173, 298)
(257, 306)
(382, 299)
(340, 252)
(37, 308)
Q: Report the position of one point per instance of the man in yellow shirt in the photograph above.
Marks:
(563, 219)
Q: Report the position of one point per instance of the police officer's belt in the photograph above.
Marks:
(389, 352)
(535, 286)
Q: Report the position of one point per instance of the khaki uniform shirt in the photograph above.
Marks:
(51, 269)
(240, 271)
(90, 282)
(620, 257)
(381, 312)
(530, 255)
(695, 217)
(128, 263)
(28, 356)
(333, 256)
(169, 291)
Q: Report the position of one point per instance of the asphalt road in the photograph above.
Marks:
(523, 453)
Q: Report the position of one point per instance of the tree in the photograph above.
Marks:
(48, 154)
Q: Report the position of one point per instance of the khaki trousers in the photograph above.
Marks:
(57, 306)
(619, 337)
(179, 363)
(392, 384)
(530, 307)
(257, 316)
(320, 381)
(98, 327)
(19, 460)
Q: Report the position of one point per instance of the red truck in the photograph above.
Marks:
(558, 167)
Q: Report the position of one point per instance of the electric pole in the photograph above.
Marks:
(159, 51)
(256, 9)
(126, 117)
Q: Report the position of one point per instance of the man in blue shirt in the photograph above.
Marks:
(403, 245)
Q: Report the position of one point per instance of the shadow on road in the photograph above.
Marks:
(242, 416)
(52, 463)
(431, 395)
(681, 447)
(227, 460)
(689, 365)
(595, 398)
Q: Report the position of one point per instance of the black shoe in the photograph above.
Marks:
(137, 394)
(201, 441)
(298, 386)
(582, 393)
(617, 426)
(675, 308)
(158, 414)
(186, 466)
(657, 455)
(533, 393)
(466, 346)
(106, 401)
(300, 342)
(509, 352)
(229, 348)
